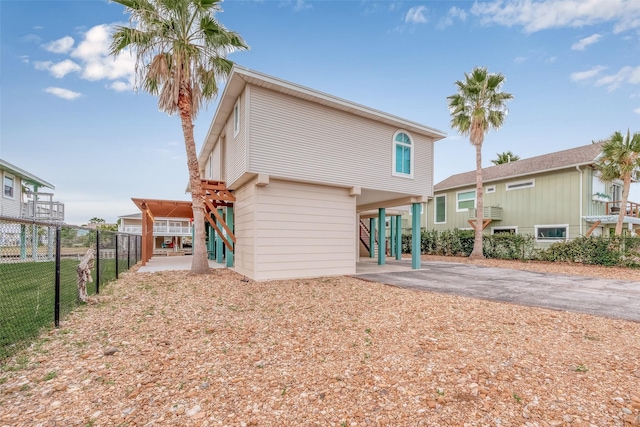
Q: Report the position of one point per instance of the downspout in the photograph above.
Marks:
(581, 176)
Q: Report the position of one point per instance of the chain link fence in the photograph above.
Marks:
(39, 274)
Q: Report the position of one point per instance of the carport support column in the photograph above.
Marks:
(219, 241)
(398, 219)
(210, 241)
(392, 236)
(415, 236)
(372, 237)
(230, 225)
(381, 236)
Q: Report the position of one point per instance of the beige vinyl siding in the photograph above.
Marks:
(300, 140)
(235, 150)
(244, 229)
(11, 206)
(304, 230)
(216, 173)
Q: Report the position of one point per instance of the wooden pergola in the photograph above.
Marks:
(154, 208)
(216, 195)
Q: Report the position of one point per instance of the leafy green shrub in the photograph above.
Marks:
(607, 251)
(509, 246)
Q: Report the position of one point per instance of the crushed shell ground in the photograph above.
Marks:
(163, 349)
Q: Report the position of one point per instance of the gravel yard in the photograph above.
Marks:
(173, 349)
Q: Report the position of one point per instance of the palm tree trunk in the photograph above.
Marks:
(477, 252)
(199, 263)
(623, 203)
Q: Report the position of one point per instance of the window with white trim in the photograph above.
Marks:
(465, 200)
(490, 189)
(236, 118)
(440, 209)
(402, 154)
(9, 184)
(552, 232)
(518, 185)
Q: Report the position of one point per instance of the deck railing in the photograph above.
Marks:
(43, 210)
(158, 229)
(613, 208)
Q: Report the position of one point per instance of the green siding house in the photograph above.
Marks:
(556, 196)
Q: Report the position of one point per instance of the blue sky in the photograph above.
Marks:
(68, 113)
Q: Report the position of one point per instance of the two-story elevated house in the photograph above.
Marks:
(169, 234)
(302, 166)
(23, 196)
(556, 196)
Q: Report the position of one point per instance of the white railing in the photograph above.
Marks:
(158, 229)
(43, 210)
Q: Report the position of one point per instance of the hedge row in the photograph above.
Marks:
(609, 251)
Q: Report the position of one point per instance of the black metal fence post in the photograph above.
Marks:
(97, 261)
(136, 250)
(56, 308)
(117, 256)
(128, 251)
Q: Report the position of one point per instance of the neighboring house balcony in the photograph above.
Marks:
(159, 230)
(613, 208)
(43, 210)
(490, 214)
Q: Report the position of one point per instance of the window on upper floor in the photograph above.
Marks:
(9, 184)
(236, 118)
(440, 209)
(465, 200)
(402, 154)
(490, 189)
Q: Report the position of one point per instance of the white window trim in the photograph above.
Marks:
(475, 200)
(532, 183)
(15, 182)
(550, 239)
(236, 118)
(393, 155)
(435, 206)
(515, 227)
(490, 189)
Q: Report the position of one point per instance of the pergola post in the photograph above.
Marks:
(415, 236)
(382, 250)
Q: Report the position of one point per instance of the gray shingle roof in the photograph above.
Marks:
(572, 157)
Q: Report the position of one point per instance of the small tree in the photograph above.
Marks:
(620, 160)
(478, 106)
(505, 157)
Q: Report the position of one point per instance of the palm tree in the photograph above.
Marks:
(505, 157)
(180, 53)
(620, 160)
(478, 106)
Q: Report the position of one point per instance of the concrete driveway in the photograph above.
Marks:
(609, 298)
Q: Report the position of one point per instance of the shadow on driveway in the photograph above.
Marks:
(602, 297)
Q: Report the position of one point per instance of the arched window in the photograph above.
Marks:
(402, 154)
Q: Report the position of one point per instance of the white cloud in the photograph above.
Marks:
(62, 45)
(637, 111)
(453, 13)
(24, 58)
(416, 15)
(93, 52)
(63, 93)
(583, 43)
(301, 5)
(588, 74)
(626, 74)
(29, 38)
(42, 65)
(63, 68)
(534, 15)
(120, 86)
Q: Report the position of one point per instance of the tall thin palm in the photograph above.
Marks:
(620, 160)
(478, 105)
(180, 53)
(505, 157)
